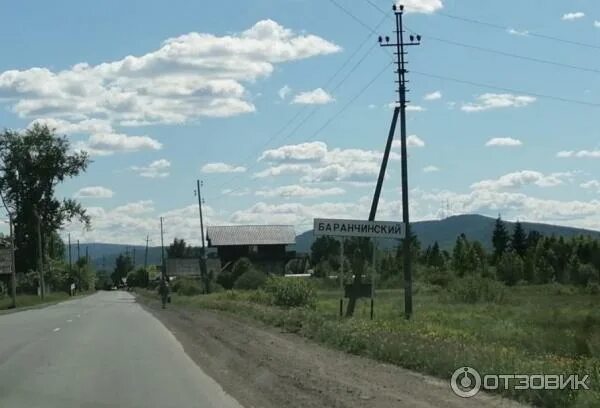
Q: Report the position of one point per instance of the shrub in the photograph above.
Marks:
(250, 280)
(510, 268)
(228, 278)
(437, 276)
(474, 289)
(560, 289)
(291, 292)
(593, 288)
(137, 278)
(260, 296)
(187, 287)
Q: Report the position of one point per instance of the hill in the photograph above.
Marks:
(103, 256)
(475, 227)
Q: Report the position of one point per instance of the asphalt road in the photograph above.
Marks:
(100, 351)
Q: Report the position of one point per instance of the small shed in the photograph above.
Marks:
(267, 246)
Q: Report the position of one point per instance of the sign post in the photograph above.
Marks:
(359, 228)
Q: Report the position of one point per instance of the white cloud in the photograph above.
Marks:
(591, 185)
(581, 154)
(519, 179)
(503, 142)
(303, 152)
(103, 139)
(105, 144)
(430, 169)
(191, 76)
(222, 168)
(409, 108)
(372, 106)
(94, 192)
(300, 191)
(573, 16)
(516, 206)
(315, 97)
(421, 6)
(494, 101)
(411, 141)
(433, 96)
(156, 169)
(284, 92)
(518, 32)
(315, 162)
(138, 207)
(597, 24)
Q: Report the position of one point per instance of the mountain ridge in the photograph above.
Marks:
(476, 227)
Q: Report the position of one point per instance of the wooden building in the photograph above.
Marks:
(269, 247)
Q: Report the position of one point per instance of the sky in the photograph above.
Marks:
(282, 109)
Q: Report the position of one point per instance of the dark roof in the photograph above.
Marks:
(251, 235)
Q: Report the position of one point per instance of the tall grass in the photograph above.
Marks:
(534, 330)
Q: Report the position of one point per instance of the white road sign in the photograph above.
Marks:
(359, 228)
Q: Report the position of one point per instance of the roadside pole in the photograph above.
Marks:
(401, 71)
(40, 256)
(203, 269)
(373, 271)
(70, 259)
(342, 241)
(13, 277)
(146, 261)
(162, 251)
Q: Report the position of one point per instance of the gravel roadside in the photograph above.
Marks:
(263, 367)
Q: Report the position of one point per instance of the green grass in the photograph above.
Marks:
(538, 329)
(32, 300)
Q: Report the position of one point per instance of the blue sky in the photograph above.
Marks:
(164, 93)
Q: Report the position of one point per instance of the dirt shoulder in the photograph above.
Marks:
(262, 367)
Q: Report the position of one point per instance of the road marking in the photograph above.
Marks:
(69, 321)
(57, 329)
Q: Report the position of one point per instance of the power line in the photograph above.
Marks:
(329, 121)
(505, 89)
(358, 20)
(529, 33)
(314, 109)
(503, 28)
(511, 55)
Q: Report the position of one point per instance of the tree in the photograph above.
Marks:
(435, 257)
(123, 265)
(327, 250)
(459, 254)
(519, 240)
(178, 249)
(34, 162)
(510, 268)
(532, 238)
(415, 248)
(500, 239)
(137, 278)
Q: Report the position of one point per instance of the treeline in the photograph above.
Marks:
(34, 162)
(516, 257)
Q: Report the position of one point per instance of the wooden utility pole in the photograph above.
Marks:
(70, 259)
(146, 253)
(162, 251)
(402, 90)
(40, 253)
(203, 271)
(13, 275)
